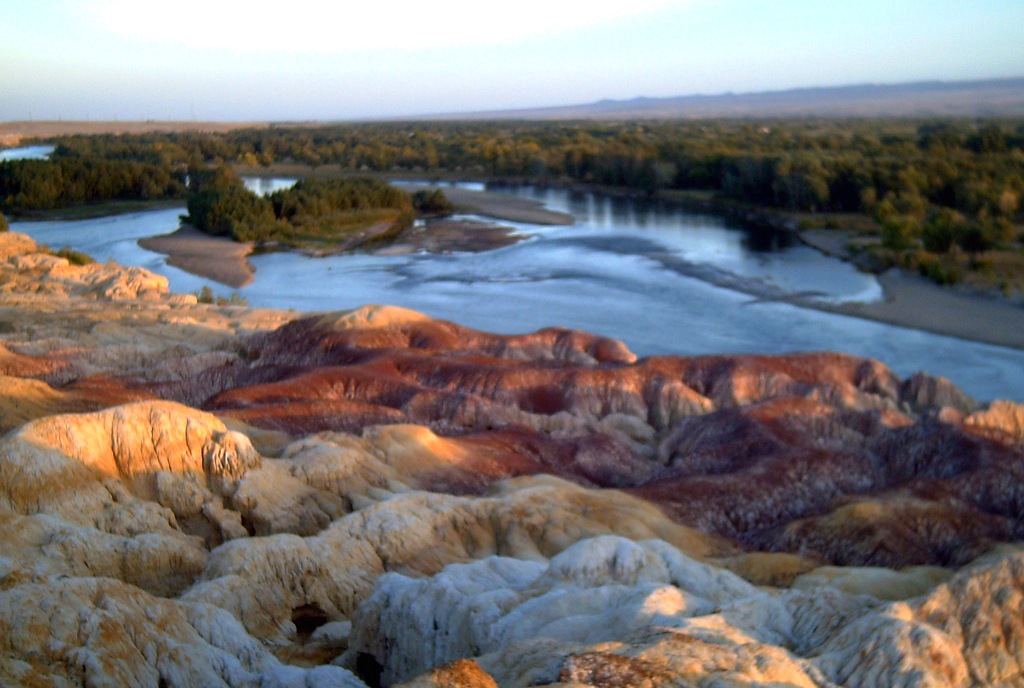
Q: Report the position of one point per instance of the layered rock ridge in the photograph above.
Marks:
(214, 495)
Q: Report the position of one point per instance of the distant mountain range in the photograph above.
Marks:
(990, 98)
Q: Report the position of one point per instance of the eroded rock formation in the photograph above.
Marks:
(203, 495)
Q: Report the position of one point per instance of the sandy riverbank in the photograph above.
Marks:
(509, 208)
(217, 258)
(914, 302)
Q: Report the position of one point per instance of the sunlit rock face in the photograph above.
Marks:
(196, 495)
(802, 453)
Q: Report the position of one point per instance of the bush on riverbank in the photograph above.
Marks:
(432, 202)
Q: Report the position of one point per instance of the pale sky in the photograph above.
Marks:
(313, 59)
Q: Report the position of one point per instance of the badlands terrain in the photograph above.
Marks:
(202, 495)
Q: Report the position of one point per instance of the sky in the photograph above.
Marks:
(289, 60)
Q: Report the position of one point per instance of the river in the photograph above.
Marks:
(25, 153)
(662, 280)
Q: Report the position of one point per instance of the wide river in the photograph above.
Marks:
(660, 279)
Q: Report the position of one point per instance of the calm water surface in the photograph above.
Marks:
(660, 279)
(26, 153)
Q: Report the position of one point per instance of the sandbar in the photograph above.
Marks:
(220, 259)
(509, 208)
(446, 235)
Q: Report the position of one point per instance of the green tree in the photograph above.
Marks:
(941, 229)
(432, 202)
(974, 239)
(899, 232)
(800, 184)
(3, 223)
(232, 211)
(1000, 231)
(988, 139)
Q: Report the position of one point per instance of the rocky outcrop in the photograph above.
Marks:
(597, 591)
(419, 532)
(100, 632)
(133, 444)
(799, 453)
(41, 273)
(1002, 420)
(609, 611)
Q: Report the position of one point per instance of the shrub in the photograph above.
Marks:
(74, 257)
(432, 202)
(205, 295)
(974, 239)
(898, 232)
(933, 268)
(234, 300)
(941, 230)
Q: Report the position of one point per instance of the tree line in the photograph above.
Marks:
(827, 165)
(66, 182)
(938, 184)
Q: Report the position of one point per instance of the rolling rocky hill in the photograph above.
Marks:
(210, 495)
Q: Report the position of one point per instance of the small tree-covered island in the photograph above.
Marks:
(314, 212)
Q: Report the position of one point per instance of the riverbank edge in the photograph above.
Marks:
(909, 300)
(220, 259)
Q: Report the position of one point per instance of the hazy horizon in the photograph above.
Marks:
(309, 60)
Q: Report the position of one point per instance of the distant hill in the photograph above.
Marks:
(991, 98)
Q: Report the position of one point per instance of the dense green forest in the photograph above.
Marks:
(27, 185)
(796, 165)
(935, 195)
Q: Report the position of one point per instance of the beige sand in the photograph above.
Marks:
(911, 301)
(217, 258)
(914, 302)
(509, 208)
